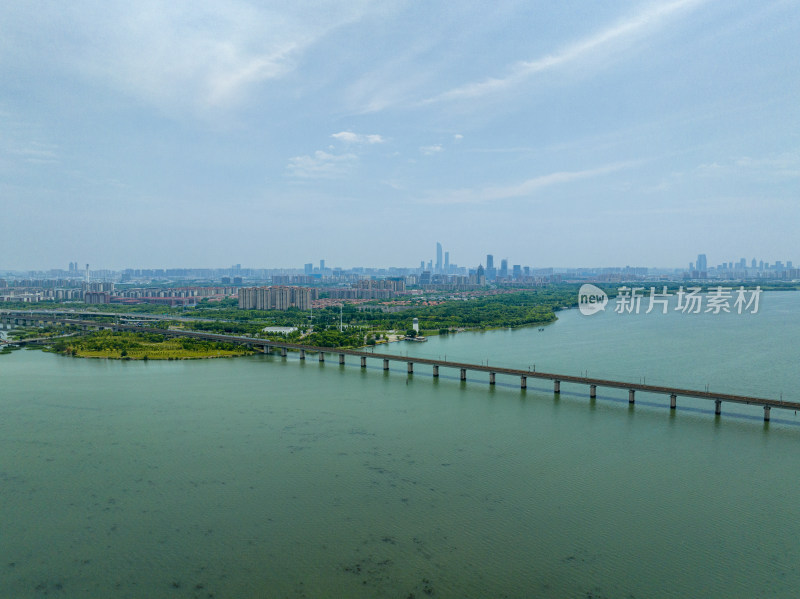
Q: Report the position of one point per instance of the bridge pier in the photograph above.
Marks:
(411, 368)
(302, 354)
(363, 361)
(436, 371)
(673, 401)
(556, 386)
(283, 352)
(523, 382)
(386, 363)
(592, 391)
(631, 395)
(491, 378)
(463, 374)
(341, 358)
(322, 356)
(766, 413)
(717, 407)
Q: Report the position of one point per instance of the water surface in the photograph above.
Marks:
(263, 476)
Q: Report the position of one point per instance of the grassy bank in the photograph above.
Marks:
(145, 346)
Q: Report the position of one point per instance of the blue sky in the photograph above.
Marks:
(152, 134)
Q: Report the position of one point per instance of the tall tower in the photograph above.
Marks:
(489, 262)
(438, 257)
(702, 264)
(447, 262)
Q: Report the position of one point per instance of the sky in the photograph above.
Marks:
(203, 134)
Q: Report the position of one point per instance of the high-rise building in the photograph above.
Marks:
(504, 267)
(447, 262)
(489, 262)
(702, 264)
(321, 265)
(308, 268)
(438, 257)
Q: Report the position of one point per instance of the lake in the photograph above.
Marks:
(274, 477)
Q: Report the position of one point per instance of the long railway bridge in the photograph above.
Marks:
(10, 319)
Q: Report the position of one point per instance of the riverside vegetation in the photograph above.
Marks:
(365, 324)
(348, 326)
(144, 346)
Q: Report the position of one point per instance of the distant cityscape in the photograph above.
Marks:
(266, 288)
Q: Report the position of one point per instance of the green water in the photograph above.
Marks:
(270, 477)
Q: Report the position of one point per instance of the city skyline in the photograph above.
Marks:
(215, 134)
(701, 264)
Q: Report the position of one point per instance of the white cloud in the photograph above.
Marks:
(322, 165)
(198, 55)
(585, 48)
(430, 150)
(358, 138)
(37, 153)
(458, 137)
(772, 167)
(526, 188)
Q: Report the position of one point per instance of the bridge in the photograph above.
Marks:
(12, 318)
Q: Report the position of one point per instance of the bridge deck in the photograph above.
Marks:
(552, 376)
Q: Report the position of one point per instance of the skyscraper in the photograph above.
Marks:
(438, 257)
(491, 273)
(447, 262)
(702, 264)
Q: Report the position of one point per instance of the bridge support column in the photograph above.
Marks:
(302, 354)
(436, 371)
(266, 349)
(386, 363)
(592, 391)
(283, 352)
(411, 368)
(556, 386)
(341, 358)
(322, 356)
(491, 378)
(363, 361)
(463, 374)
(631, 394)
(766, 413)
(523, 382)
(718, 406)
(673, 401)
